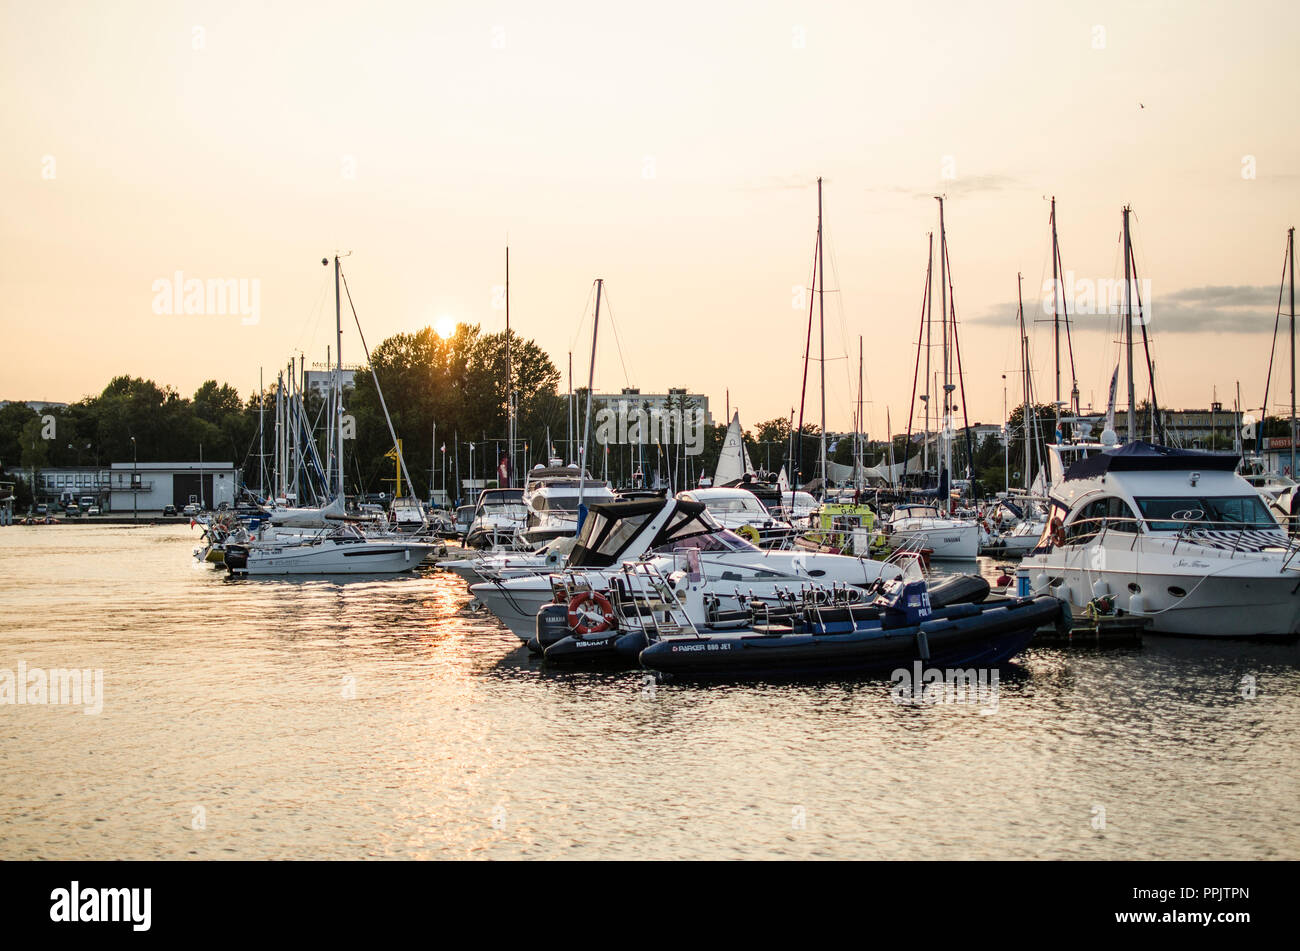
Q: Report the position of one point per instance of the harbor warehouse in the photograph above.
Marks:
(158, 484)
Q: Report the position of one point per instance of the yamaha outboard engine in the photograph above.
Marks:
(552, 625)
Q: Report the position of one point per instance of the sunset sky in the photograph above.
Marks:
(669, 148)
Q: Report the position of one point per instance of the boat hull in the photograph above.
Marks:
(984, 639)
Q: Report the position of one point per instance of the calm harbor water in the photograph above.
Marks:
(229, 729)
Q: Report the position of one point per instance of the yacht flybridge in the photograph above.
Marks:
(1172, 535)
(551, 497)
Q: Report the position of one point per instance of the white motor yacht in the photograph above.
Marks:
(551, 495)
(1172, 535)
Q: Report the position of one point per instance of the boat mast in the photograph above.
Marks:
(1128, 330)
(261, 435)
(1056, 320)
(1026, 413)
(946, 422)
(1290, 250)
(821, 305)
(338, 375)
(510, 393)
(586, 424)
(929, 320)
(859, 437)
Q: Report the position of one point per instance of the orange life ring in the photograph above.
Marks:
(581, 621)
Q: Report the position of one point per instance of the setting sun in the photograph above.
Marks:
(445, 326)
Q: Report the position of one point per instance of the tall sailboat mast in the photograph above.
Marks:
(591, 379)
(860, 435)
(510, 393)
(946, 421)
(929, 319)
(1056, 319)
(1026, 413)
(1128, 330)
(1290, 251)
(338, 375)
(821, 305)
(261, 435)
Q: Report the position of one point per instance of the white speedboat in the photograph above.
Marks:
(498, 518)
(483, 566)
(733, 569)
(1172, 535)
(916, 527)
(741, 511)
(406, 515)
(344, 552)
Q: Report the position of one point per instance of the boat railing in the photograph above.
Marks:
(650, 594)
(1190, 531)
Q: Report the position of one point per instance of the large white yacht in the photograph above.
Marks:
(1172, 535)
(551, 496)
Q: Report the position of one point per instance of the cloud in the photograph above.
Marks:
(963, 186)
(1222, 309)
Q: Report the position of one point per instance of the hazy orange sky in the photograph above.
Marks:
(669, 148)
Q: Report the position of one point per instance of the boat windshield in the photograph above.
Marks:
(722, 540)
(515, 510)
(737, 506)
(1220, 512)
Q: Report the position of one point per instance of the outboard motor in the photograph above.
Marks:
(905, 603)
(236, 557)
(552, 624)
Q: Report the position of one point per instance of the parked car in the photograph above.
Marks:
(42, 509)
(93, 510)
(191, 509)
(72, 511)
(169, 510)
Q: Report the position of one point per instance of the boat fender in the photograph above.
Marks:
(1040, 583)
(922, 644)
(1100, 589)
(1137, 604)
(1064, 619)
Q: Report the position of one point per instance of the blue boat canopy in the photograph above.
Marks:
(1147, 457)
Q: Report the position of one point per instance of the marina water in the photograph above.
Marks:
(379, 719)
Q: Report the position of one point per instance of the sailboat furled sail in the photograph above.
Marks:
(733, 461)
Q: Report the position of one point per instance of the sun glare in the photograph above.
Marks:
(445, 327)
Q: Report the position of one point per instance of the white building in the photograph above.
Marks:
(157, 484)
